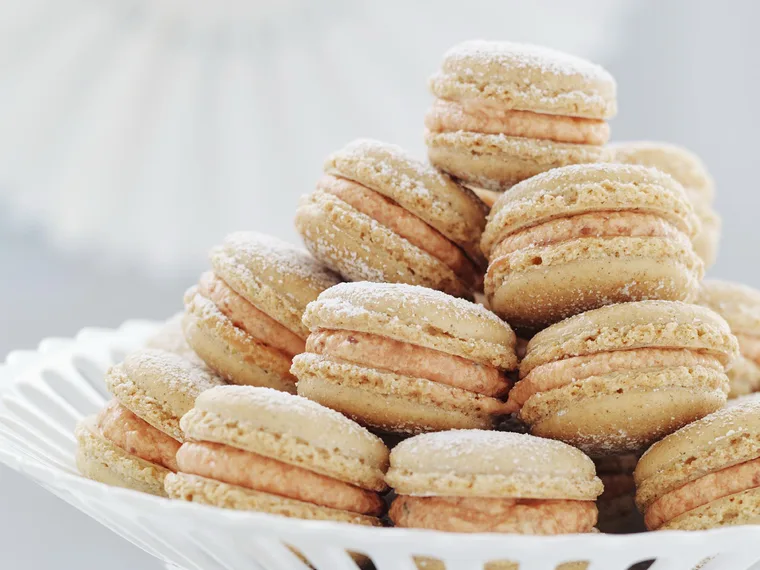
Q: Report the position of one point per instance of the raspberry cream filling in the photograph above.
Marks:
(702, 491)
(750, 346)
(476, 514)
(387, 213)
(493, 119)
(250, 470)
(594, 224)
(136, 436)
(375, 351)
(247, 317)
(560, 373)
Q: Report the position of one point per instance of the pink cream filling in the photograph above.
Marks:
(489, 118)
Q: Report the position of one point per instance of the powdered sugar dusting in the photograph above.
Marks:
(171, 371)
(491, 447)
(352, 294)
(526, 56)
(273, 255)
(286, 405)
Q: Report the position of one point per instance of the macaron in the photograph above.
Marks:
(689, 170)
(480, 481)
(617, 505)
(616, 379)
(740, 306)
(243, 319)
(505, 112)
(705, 475)
(251, 448)
(379, 215)
(580, 237)
(133, 440)
(405, 359)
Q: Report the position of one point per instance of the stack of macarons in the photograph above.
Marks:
(593, 254)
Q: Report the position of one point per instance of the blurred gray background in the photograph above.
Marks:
(133, 141)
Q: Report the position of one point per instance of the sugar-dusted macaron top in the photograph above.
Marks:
(724, 438)
(276, 277)
(416, 315)
(526, 77)
(739, 304)
(677, 161)
(291, 429)
(585, 188)
(491, 464)
(639, 324)
(429, 194)
(159, 387)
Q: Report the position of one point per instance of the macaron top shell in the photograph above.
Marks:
(274, 276)
(584, 188)
(526, 77)
(680, 163)
(159, 387)
(417, 315)
(455, 211)
(737, 303)
(480, 463)
(639, 324)
(722, 439)
(291, 429)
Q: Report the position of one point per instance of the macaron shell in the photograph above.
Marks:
(171, 339)
(290, 429)
(230, 352)
(478, 463)
(215, 493)
(526, 77)
(389, 401)
(498, 162)
(743, 377)
(159, 387)
(100, 460)
(358, 248)
(724, 438)
(276, 277)
(418, 316)
(420, 189)
(707, 240)
(738, 509)
(625, 411)
(536, 287)
(664, 324)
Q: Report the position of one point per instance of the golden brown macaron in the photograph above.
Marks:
(406, 359)
(705, 475)
(690, 171)
(379, 215)
(132, 442)
(251, 448)
(740, 306)
(616, 379)
(244, 317)
(580, 237)
(505, 112)
(617, 505)
(481, 481)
